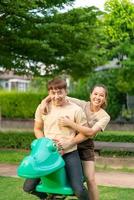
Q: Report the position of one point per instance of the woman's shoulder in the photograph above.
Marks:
(103, 113)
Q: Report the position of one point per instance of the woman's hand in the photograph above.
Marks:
(65, 121)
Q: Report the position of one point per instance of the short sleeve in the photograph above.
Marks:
(80, 117)
(78, 102)
(38, 115)
(102, 123)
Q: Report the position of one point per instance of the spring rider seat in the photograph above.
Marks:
(46, 163)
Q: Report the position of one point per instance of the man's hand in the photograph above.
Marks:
(65, 143)
(59, 147)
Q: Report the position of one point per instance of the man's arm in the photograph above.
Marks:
(38, 129)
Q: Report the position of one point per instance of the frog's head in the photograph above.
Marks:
(44, 159)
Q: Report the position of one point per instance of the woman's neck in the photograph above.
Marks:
(94, 108)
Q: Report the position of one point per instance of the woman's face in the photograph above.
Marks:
(98, 96)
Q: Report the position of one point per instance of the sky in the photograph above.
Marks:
(97, 3)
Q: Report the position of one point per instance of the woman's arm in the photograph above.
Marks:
(67, 143)
(44, 106)
(46, 101)
(86, 131)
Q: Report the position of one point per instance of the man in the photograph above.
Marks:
(48, 126)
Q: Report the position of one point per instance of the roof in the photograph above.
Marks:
(11, 75)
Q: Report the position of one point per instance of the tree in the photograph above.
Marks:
(20, 35)
(34, 32)
(119, 24)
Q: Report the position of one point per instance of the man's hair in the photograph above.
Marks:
(57, 83)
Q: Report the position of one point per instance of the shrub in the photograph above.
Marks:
(22, 140)
(16, 140)
(19, 105)
(115, 136)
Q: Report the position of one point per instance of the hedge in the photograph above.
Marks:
(19, 105)
(16, 140)
(116, 136)
(22, 105)
(22, 140)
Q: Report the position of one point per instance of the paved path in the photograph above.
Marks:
(117, 179)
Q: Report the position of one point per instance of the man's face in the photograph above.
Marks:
(58, 96)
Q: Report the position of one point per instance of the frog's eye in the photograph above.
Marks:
(52, 147)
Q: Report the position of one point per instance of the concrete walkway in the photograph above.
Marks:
(117, 179)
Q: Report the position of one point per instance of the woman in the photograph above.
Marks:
(97, 120)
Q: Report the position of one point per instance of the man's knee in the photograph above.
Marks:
(27, 188)
(30, 185)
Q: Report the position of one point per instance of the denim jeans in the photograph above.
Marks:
(74, 173)
(30, 185)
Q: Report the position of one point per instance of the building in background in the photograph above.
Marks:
(9, 81)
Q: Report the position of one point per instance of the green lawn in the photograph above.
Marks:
(11, 189)
(16, 156)
(12, 156)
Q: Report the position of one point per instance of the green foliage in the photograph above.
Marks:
(119, 30)
(12, 189)
(115, 98)
(13, 186)
(115, 136)
(114, 154)
(125, 75)
(83, 87)
(19, 105)
(127, 114)
(119, 19)
(23, 139)
(38, 84)
(16, 140)
(23, 105)
(35, 33)
(21, 35)
(79, 89)
(12, 156)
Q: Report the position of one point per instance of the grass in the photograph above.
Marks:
(12, 156)
(108, 168)
(11, 189)
(16, 156)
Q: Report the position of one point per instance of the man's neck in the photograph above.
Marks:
(64, 103)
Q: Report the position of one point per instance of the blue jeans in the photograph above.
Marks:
(74, 173)
(30, 186)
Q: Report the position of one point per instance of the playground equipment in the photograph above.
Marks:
(46, 163)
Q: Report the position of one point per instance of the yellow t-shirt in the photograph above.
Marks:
(50, 121)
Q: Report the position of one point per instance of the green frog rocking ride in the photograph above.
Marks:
(45, 162)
